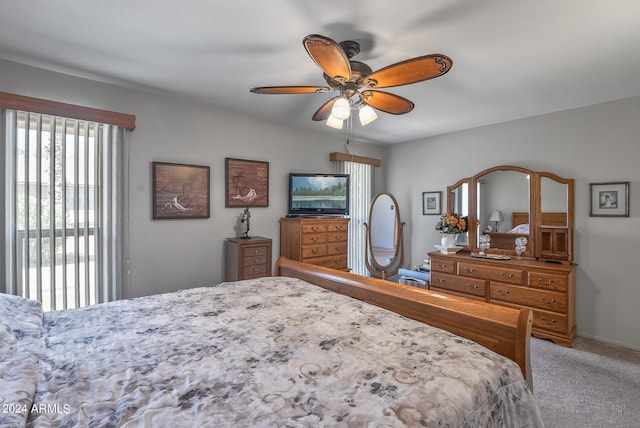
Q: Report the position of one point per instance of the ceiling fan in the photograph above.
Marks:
(351, 78)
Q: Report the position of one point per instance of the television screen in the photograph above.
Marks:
(318, 194)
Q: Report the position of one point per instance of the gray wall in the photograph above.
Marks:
(591, 144)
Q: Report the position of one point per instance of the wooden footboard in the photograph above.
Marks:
(503, 330)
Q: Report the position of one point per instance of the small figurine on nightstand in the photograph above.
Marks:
(246, 215)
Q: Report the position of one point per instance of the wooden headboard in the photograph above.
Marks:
(558, 219)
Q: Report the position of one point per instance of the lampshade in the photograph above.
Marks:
(367, 115)
(334, 123)
(341, 109)
(496, 215)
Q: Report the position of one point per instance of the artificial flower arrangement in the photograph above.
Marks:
(452, 223)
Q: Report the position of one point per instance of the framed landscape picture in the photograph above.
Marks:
(609, 199)
(180, 191)
(247, 183)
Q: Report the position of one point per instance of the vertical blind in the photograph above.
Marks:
(65, 209)
(361, 182)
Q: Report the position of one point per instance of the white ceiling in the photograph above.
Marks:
(511, 59)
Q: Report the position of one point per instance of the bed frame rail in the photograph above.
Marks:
(504, 330)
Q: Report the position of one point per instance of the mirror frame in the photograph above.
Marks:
(534, 247)
(377, 269)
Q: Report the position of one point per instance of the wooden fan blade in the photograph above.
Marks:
(388, 103)
(329, 56)
(289, 89)
(409, 71)
(324, 112)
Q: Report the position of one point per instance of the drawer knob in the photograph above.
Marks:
(255, 260)
(314, 251)
(505, 275)
(469, 270)
(504, 292)
(543, 282)
(441, 266)
(473, 286)
(440, 280)
(255, 251)
(314, 239)
(551, 302)
(255, 269)
(552, 321)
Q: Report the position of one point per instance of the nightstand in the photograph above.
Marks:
(247, 258)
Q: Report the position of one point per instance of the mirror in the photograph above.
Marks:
(508, 202)
(503, 198)
(458, 202)
(384, 246)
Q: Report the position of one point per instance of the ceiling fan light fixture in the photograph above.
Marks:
(367, 115)
(334, 122)
(341, 109)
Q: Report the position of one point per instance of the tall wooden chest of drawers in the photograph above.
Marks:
(247, 258)
(548, 289)
(320, 241)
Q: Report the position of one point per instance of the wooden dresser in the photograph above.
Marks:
(247, 258)
(320, 241)
(546, 288)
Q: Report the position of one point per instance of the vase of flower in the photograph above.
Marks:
(448, 240)
(449, 226)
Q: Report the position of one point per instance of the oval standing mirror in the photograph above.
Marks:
(384, 250)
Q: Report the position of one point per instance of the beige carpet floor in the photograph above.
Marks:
(590, 385)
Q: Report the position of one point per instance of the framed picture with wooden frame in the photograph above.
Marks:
(246, 183)
(432, 203)
(609, 199)
(180, 191)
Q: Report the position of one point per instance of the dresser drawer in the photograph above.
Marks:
(548, 281)
(334, 262)
(461, 284)
(442, 265)
(338, 227)
(528, 296)
(255, 260)
(261, 250)
(314, 238)
(255, 271)
(543, 320)
(336, 236)
(314, 228)
(504, 274)
(550, 321)
(310, 251)
(337, 248)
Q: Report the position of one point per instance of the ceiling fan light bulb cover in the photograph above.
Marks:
(334, 122)
(367, 115)
(341, 109)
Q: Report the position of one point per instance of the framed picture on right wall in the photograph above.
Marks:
(609, 199)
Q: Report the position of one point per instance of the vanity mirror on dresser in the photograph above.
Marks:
(534, 205)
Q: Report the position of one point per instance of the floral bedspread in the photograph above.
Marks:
(264, 352)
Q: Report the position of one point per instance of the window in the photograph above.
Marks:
(361, 171)
(64, 209)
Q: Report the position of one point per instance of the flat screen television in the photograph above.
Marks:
(318, 194)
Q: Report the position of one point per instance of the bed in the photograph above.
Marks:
(520, 228)
(310, 347)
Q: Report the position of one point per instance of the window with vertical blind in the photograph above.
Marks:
(361, 171)
(64, 209)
